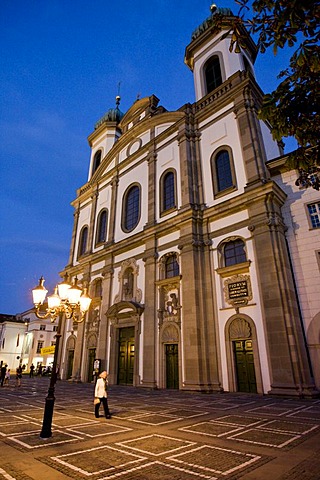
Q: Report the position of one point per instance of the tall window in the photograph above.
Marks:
(131, 208)
(96, 161)
(314, 214)
(83, 241)
(212, 72)
(39, 346)
(102, 227)
(223, 171)
(168, 191)
(171, 266)
(234, 252)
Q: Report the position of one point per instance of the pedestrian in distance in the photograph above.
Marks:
(3, 373)
(18, 376)
(7, 377)
(101, 395)
(31, 371)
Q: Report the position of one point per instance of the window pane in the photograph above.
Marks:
(102, 227)
(168, 191)
(132, 208)
(314, 213)
(172, 267)
(83, 241)
(96, 161)
(213, 74)
(234, 253)
(223, 170)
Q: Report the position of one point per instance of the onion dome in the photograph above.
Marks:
(113, 115)
(216, 12)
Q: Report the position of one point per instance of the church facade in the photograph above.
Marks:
(184, 234)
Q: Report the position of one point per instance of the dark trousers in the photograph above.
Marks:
(104, 402)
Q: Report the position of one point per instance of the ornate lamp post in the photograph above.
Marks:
(67, 301)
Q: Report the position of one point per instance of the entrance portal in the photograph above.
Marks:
(126, 356)
(172, 365)
(244, 363)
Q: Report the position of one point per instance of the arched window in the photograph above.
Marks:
(212, 71)
(96, 161)
(131, 208)
(234, 252)
(223, 171)
(83, 241)
(168, 199)
(101, 234)
(171, 266)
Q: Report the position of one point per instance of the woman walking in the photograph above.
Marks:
(101, 395)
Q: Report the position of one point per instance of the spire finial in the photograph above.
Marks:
(118, 98)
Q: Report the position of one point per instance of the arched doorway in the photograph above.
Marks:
(243, 360)
(124, 318)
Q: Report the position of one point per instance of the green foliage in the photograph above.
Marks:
(293, 109)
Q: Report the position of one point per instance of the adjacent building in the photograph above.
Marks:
(200, 253)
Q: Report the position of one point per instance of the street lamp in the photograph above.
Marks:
(68, 301)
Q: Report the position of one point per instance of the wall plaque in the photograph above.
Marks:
(237, 290)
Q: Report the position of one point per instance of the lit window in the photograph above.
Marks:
(39, 346)
(171, 267)
(314, 214)
(131, 211)
(234, 253)
(213, 73)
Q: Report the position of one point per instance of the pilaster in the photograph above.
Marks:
(288, 361)
(150, 318)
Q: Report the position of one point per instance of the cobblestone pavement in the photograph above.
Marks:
(155, 435)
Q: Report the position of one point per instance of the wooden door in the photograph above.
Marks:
(244, 362)
(126, 356)
(172, 365)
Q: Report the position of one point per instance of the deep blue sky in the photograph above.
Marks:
(61, 62)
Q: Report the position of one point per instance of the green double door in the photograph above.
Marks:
(172, 365)
(244, 362)
(126, 356)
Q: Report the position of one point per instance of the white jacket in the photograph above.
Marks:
(101, 388)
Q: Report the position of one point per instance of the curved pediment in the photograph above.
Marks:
(140, 109)
(125, 308)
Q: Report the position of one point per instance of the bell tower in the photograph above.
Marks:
(208, 55)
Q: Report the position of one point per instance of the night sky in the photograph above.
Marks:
(61, 64)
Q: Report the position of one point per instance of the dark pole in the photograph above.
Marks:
(49, 405)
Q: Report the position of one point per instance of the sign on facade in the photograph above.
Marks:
(237, 290)
(47, 350)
